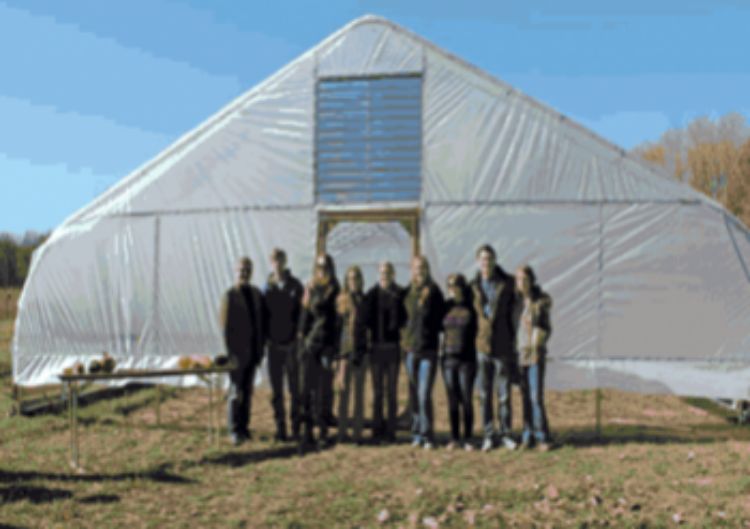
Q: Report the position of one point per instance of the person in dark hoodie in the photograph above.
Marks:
(424, 306)
(319, 341)
(385, 316)
(458, 360)
(532, 319)
(327, 380)
(493, 291)
(283, 293)
(241, 318)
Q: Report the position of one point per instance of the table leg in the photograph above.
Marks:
(69, 395)
(209, 380)
(158, 404)
(74, 406)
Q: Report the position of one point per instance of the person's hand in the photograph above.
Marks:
(423, 295)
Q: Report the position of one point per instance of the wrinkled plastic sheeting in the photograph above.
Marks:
(115, 285)
(258, 155)
(559, 242)
(650, 280)
(484, 142)
(673, 286)
(380, 50)
(367, 245)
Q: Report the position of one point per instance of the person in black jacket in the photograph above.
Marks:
(385, 316)
(493, 291)
(319, 341)
(241, 318)
(327, 380)
(459, 361)
(283, 293)
(424, 306)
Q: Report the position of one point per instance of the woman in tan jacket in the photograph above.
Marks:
(351, 364)
(531, 316)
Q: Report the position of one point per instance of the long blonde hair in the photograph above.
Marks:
(344, 301)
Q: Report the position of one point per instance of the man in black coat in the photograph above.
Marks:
(384, 316)
(283, 293)
(494, 297)
(242, 321)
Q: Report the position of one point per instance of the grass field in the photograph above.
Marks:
(664, 462)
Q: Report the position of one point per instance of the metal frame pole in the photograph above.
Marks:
(74, 408)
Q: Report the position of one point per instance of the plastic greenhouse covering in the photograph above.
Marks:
(650, 280)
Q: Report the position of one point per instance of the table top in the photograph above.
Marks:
(145, 373)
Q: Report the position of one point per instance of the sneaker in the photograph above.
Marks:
(428, 446)
(451, 446)
(487, 444)
(544, 447)
(526, 444)
(508, 443)
(468, 446)
(236, 440)
(416, 443)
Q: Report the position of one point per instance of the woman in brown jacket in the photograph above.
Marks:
(531, 316)
(350, 366)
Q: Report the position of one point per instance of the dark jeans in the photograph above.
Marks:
(326, 383)
(314, 368)
(421, 370)
(495, 374)
(459, 377)
(282, 360)
(534, 414)
(385, 362)
(239, 400)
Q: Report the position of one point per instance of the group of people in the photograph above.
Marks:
(323, 339)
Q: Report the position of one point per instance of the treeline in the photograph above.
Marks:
(713, 156)
(15, 257)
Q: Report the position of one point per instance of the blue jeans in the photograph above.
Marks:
(534, 414)
(459, 377)
(421, 371)
(495, 373)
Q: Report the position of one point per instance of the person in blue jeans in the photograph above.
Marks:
(531, 316)
(424, 306)
(459, 360)
(493, 292)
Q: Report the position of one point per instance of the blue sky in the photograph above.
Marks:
(89, 90)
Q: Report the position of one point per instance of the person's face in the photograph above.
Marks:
(244, 273)
(486, 263)
(523, 283)
(353, 282)
(419, 272)
(278, 265)
(322, 275)
(454, 291)
(386, 275)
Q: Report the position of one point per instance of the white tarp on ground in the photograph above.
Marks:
(650, 280)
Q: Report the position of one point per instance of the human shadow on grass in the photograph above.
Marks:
(649, 434)
(242, 458)
(6, 526)
(54, 405)
(33, 494)
(160, 474)
(100, 498)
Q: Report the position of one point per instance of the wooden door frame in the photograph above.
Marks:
(408, 218)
